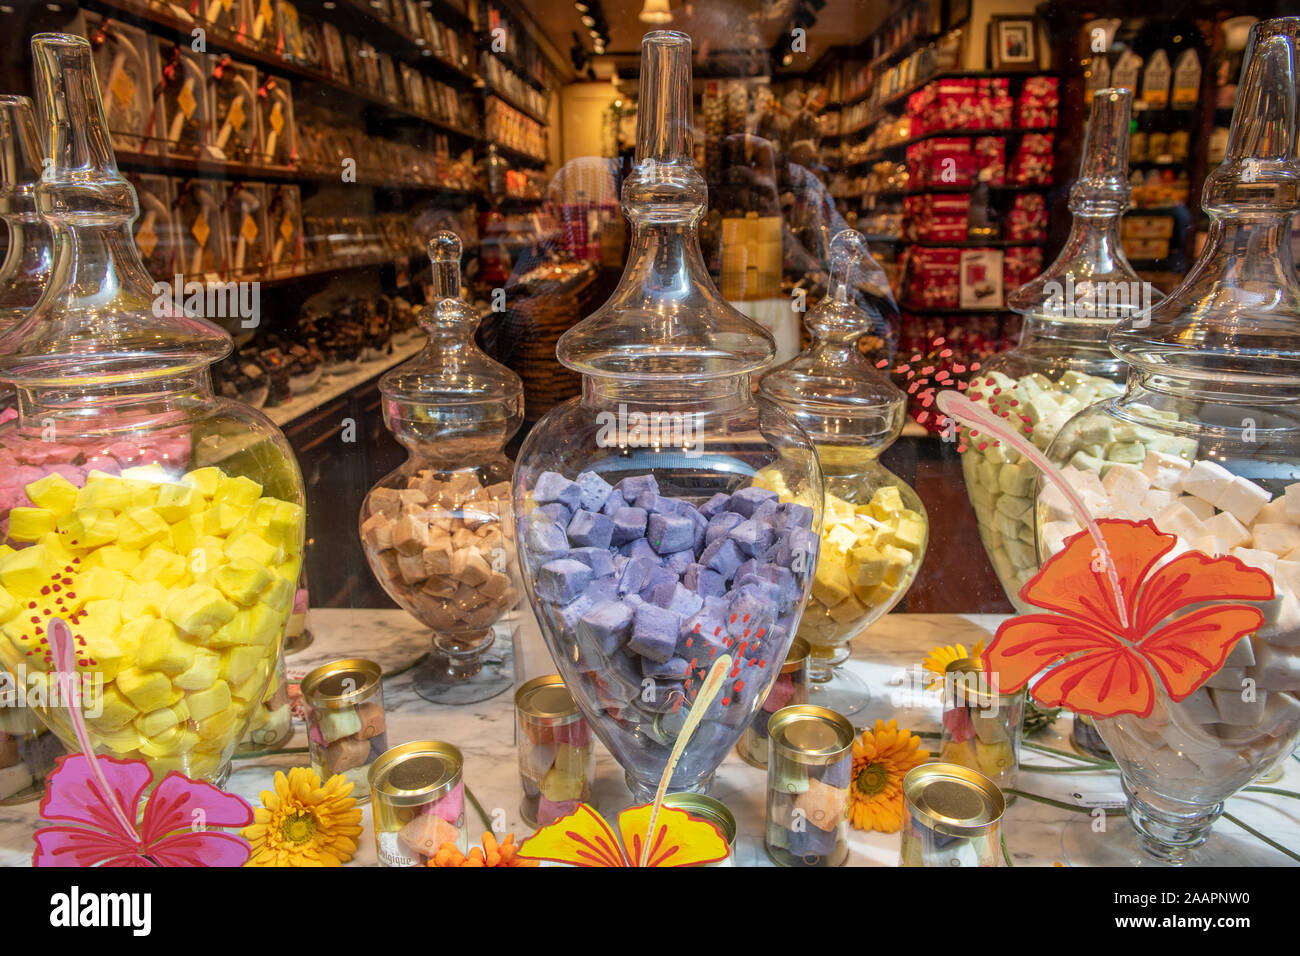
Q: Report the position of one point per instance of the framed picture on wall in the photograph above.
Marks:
(1013, 43)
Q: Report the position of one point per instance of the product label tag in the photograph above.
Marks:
(1107, 801)
(146, 239)
(185, 100)
(276, 119)
(236, 117)
(123, 87)
(200, 230)
(286, 228)
(249, 230)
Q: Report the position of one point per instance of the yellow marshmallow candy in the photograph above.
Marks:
(29, 524)
(53, 493)
(199, 610)
(243, 580)
(147, 690)
(211, 700)
(203, 673)
(163, 649)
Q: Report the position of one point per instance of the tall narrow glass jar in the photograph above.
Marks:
(1213, 407)
(163, 524)
(874, 527)
(649, 548)
(437, 531)
(1061, 362)
(26, 266)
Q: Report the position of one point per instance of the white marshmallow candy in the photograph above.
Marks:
(1202, 509)
(1175, 518)
(1243, 498)
(1234, 708)
(1292, 495)
(1164, 471)
(1228, 530)
(1264, 560)
(1275, 512)
(1279, 538)
(1206, 480)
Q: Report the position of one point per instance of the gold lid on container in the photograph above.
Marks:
(978, 690)
(810, 734)
(800, 651)
(416, 773)
(708, 809)
(953, 800)
(339, 684)
(546, 699)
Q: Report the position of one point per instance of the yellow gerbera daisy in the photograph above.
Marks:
(943, 655)
(881, 758)
(301, 823)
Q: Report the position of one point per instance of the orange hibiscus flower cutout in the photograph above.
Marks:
(583, 838)
(1104, 666)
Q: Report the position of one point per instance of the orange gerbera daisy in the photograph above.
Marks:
(881, 758)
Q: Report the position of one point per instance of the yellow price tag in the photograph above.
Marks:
(124, 89)
(286, 228)
(200, 230)
(185, 100)
(249, 230)
(235, 117)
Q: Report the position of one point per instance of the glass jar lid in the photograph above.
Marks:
(666, 320)
(1091, 283)
(830, 388)
(1235, 318)
(451, 390)
(99, 321)
(25, 270)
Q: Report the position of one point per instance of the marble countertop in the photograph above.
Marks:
(882, 657)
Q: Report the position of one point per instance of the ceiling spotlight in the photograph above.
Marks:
(588, 20)
(594, 34)
(655, 11)
(582, 7)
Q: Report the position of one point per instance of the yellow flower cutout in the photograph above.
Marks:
(302, 823)
(943, 655)
(881, 758)
(583, 838)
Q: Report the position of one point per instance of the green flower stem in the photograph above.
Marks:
(1033, 768)
(1275, 790)
(1255, 833)
(1068, 755)
(1006, 855)
(257, 754)
(469, 795)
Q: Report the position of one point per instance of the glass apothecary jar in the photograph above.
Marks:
(625, 497)
(437, 531)
(1212, 413)
(1061, 363)
(26, 266)
(163, 524)
(874, 527)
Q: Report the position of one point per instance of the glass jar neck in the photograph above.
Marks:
(601, 391)
(52, 411)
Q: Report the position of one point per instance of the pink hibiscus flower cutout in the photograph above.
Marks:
(101, 796)
(173, 829)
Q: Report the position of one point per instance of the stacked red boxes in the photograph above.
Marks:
(937, 217)
(1036, 107)
(1033, 162)
(1027, 218)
